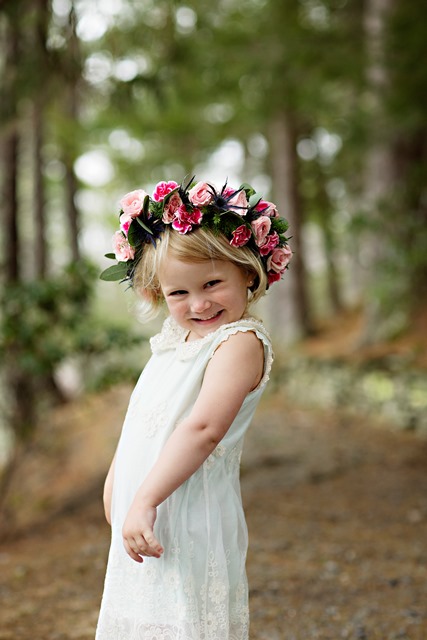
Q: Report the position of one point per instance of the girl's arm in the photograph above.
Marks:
(108, 491)
(235, 369)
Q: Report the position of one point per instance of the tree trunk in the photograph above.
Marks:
(379, 162)
(39, 194)
(72, 211)
(411, 156)
(331, 270)
(39, 38)
(10, 159)
(289, 310)
(380, 166)
(19, 388)
(10, 207)
(71, 108)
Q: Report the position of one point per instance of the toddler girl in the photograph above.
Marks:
(176, 569)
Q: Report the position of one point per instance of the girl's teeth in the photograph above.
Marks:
(210, 317)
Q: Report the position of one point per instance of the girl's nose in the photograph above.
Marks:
(199, 304)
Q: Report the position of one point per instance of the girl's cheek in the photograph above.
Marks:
(174, 306)
(169, 304)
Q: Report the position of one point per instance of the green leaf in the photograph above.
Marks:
(279, 224)
(111, 256)
(146, 206)
(254, 199)
(247, 188)
(116, 272)
(139, 221)
(134, 234)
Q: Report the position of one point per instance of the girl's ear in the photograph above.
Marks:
(251, 279)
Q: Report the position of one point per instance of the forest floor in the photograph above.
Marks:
(336, 508)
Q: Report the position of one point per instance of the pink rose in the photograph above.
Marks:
(272, 276)
(271, 241)
(228, 191)
(200, 195)
(122, 249)
(171, 207)
(163, 188)
(267, 209)
(133, 202)
(184, 219)
(261, 226)
(238, 202)
(125, 222)
(241, 236)
(279, 259)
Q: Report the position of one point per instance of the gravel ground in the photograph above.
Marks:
(336, 509)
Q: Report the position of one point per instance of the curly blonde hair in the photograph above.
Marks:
(199, 246)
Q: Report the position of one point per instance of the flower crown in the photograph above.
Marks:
(241, 215)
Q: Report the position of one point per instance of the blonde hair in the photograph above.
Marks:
(195, 247)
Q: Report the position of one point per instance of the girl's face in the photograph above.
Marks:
(205, 295)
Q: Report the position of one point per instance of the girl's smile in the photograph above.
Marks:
(202, 296)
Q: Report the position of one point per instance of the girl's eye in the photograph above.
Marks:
(212, 283)
(179, 292)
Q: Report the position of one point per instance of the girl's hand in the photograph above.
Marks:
(138, 535)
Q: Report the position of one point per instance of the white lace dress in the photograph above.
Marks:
(198, 589)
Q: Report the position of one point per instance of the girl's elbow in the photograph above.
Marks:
(207, 432)
(210, 434)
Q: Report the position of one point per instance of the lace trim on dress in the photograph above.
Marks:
(232, 458)
(193, 612)
(131, 629)
(169, 337)
(173, 335)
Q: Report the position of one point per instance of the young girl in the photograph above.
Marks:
(176, 569)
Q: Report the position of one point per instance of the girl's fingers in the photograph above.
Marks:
(154, 544)
(131, 553)
(138, 546)
(144, 547)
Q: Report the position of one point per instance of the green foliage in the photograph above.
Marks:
(46, 322)
(115, 272)
(406, 49)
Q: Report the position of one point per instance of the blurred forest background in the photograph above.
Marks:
(320, 104)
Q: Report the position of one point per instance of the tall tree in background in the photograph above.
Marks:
(286, 183)
(379, 162)
(41, 59)
(26, 97)
(73, 71)
(406, 109)
(20, 387)
(10, 141)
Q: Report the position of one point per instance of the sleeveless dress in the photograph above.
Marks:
(198, 589)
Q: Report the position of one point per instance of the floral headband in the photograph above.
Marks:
(241, 215)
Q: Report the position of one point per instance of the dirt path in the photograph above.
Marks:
(337, 514)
